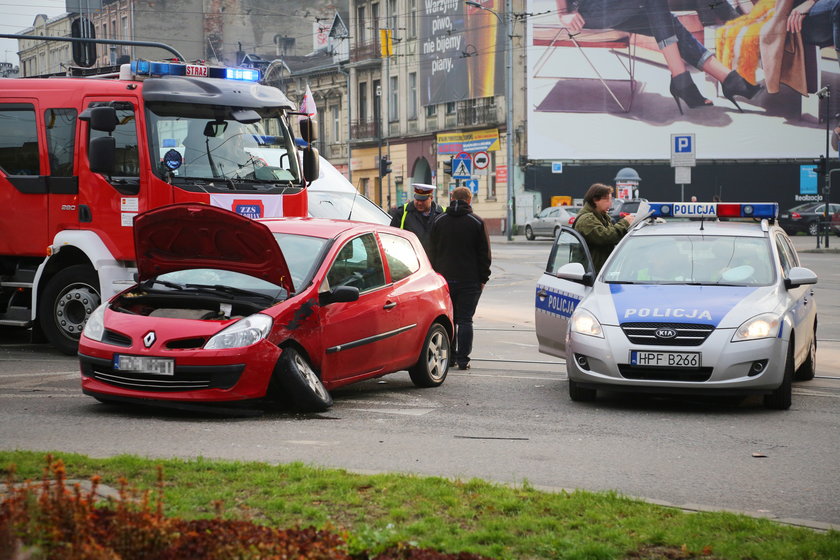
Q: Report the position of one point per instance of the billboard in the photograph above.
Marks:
(461, 50)
(583, 105)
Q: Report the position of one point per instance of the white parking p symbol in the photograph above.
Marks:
(682, 144)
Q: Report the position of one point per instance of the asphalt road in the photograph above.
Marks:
(508, 419)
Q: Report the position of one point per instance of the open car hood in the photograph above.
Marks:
(194, 235)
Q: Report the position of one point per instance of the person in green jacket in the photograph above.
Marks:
(596, 226)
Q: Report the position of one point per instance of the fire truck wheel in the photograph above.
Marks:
(65, 305)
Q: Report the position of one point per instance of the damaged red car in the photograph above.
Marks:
(233, 311)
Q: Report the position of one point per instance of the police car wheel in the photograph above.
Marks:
(581, 394)
(780, 399)
(433, 363)
(808, 369)
(529, 233)
(297, 384)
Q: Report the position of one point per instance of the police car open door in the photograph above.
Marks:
(567, 279)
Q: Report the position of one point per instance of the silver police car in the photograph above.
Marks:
(683, 306)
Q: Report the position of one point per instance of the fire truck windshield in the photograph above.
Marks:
(207, 144)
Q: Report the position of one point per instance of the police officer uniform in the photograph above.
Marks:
(410, 218)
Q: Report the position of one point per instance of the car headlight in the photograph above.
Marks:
(244, 332)
(95, 326)
(765, 325)
(584, 322)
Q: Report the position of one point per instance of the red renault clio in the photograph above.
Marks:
(229, 310)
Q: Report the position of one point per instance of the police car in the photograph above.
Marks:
(715, 304)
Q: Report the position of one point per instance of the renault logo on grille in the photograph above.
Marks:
(665, 333)
(149, 339)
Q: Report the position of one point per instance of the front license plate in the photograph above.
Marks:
(665, 359)
(144, 364)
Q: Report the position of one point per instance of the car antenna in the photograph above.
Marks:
(353, 204)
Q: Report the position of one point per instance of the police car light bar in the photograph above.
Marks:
(148, 68)
(714, 209)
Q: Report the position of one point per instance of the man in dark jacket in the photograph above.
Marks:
(417, 217)
(459, 250)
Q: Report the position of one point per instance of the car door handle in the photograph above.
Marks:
(390, 305)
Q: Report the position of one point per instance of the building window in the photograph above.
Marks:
(491, 183)
(431, 110)
(363, 95)
(336, 123)
(361, 32)
(412, 19)
(450, 108)
(394, 105)
(411, 100)
(392, 16)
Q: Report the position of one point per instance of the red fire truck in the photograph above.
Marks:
(80, 157)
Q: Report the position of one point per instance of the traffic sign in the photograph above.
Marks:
(683, 150)
(472, 184)
(481, 160)
(462, 166)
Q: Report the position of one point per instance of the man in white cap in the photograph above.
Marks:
(417, 217)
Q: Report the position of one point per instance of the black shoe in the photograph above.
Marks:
(683, 87)
(464, 366)
(735, 84)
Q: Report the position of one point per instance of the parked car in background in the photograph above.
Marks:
(835, 223)
(623, 206)
(806, 217)
(548, 222)
(233, 311)
(573, 210)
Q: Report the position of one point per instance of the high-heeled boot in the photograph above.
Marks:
(682, 87)
(735, 84)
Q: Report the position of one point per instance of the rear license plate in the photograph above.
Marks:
(665, 359)
(144, 364)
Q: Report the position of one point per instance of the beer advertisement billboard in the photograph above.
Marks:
(461, 50)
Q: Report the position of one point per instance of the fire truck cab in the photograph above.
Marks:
(80, 157)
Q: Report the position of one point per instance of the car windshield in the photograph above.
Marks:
(692, 259)
(207, 142)
(302, 253)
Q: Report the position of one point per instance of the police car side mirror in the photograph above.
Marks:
(799, 276)
(308, 130)
(102, 155)
(576, 273)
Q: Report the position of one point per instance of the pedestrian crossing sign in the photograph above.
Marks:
(462, 166)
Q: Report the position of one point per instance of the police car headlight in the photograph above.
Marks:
(765, 325)
(95, 326)
(244, 332)
(584, 322)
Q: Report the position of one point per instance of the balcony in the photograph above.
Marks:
(365, 51)
(363, 130)
(477, 112)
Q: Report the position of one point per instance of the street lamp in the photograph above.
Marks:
(508, 25)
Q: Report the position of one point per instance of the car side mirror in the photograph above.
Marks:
(576, 273)
(340, 294)
(798, 276)
(311, 164)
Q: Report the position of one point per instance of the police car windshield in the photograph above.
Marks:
(692, 259)
(203, 142)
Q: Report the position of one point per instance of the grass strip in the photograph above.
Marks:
(476, 516)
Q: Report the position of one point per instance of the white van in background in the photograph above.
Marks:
(333, 196)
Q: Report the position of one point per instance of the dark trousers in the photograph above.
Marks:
(464, 297)
(645, 17)
(821, 26)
